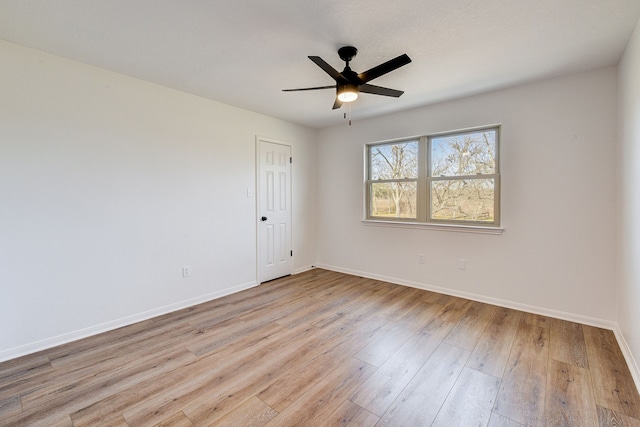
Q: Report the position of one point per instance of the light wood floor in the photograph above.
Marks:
(323, 349)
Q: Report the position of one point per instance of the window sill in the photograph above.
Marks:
(479, 229)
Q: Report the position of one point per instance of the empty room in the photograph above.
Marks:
(320, 213)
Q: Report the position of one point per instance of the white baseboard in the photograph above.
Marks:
(118, 323)
(586, 320)
(303, 269)
(591, 321)
(626, 351)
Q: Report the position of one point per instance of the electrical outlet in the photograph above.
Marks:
(186, 271)
(462, 264)
(421, 258)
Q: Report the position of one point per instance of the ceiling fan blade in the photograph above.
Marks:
(337, 104)
(310, 88)
(384, 68)
(327, 68)
(379, 90)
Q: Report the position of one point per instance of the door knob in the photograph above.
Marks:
(264, 218)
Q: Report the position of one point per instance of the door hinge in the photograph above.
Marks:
(291, 253)
(290, 159)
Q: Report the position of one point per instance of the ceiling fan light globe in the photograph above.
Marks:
(347, 92)
(348, 96)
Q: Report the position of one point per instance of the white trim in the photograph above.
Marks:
(115, 324)
(563, 315)
(626, 352)
(303, 269)
(435, 226)
(591, 321)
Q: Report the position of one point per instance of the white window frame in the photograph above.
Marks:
(423, 185)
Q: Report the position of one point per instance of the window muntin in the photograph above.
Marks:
(446, 178)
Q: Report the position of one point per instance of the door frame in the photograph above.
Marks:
(260, 139)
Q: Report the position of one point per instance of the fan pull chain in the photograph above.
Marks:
(348, 112)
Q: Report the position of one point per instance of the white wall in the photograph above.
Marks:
(109, 185)
(556, 254)
(628, 185)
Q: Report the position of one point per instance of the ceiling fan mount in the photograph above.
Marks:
(348, 83)
(347, 53)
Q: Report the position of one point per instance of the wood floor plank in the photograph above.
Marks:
(569, 396)
(110, 378)
(179, 419)
(399, 305)
(278, 309)
(566, 343)
(89, 350)
(287, 389)
(536, 320)
(470, 400)
(252, 413)
(210, 319)
(498, 420)
(613, 385)
(209, 406)
(471, 326)
(95, 365)
(312, 310)
(421, 400)
(396, 334)
(492, 351)
(326, 396)
(609, 418)
(154, 339)
(309, 343)
(244, 366)
(23, 368)
(522, 392)
(203, 368)
(66, 399)
(384, 386)
(363, 306)
(351, 415)
(297, 381)
(10, 406)
(448, 316)
(64, 421)
(300, 377)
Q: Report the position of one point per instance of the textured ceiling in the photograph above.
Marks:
(244, 52)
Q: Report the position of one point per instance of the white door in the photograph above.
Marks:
(274, 211)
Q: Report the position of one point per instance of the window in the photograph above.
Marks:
(394, 179)
(450, 178)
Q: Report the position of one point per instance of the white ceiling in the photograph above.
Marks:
(244, 52)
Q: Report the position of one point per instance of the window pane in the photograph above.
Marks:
(394, 161)
(393, 199)
(466, 154)
(463, 200)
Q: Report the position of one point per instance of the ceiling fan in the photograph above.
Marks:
(349, 83)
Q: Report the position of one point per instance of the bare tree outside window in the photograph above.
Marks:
(462, 184)
(394, 170)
